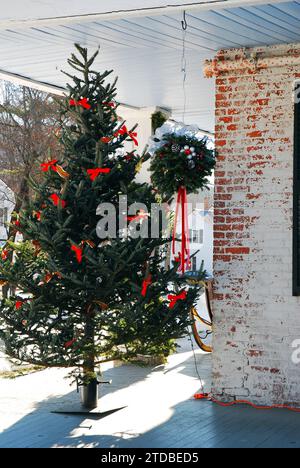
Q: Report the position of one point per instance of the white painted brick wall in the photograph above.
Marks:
(256, 316)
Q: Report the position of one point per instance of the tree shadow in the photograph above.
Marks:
(43, 428)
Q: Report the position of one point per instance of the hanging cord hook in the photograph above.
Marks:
(184, 22)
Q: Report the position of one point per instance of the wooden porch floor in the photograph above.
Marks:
(159, 412)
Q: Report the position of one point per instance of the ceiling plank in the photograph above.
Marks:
(158, 9)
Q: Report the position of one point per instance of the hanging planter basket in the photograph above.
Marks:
(180, 158)
(182, 162)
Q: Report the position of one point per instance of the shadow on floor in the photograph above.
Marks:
(41, 428)
(189, 423)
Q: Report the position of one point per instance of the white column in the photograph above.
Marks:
(142, 117)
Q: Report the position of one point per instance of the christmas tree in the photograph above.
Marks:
(81, 298)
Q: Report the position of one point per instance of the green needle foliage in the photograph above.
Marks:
(66, 312)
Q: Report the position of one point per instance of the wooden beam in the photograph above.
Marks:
(43, 86)
(26, 81)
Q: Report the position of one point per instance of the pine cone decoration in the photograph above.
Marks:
(175, 148)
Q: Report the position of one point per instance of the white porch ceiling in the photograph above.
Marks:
(142, 44)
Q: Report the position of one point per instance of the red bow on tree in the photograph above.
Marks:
(146, 283)
(70, 343)
(78, 252)
(19, 304)
(16, 223)
(55, 167)
(57, 201)
(133, 136)
(49, 276)
(109, 104)
(4, 254)
(105, 139)
(48, 165)
(93, 173)
(37, 215)
(174, 299)
(124, 131)
(82, 102)
(141, 215)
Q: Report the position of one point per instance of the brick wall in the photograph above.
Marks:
(256, 316)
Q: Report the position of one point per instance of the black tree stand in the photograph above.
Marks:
(88, 384)
(89, 394)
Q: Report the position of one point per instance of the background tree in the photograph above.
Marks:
(28, 119)
(81, 300)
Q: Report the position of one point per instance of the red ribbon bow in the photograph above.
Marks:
(141, 215)
(124, 131)
(146, 283)
(20, 303)
(78, 252)
(93, 173)
(174, 299)
(57, 200)
(133, 136)
(38, 215)
(70, 343)
(82, 102)
(17, 224)
(4, 254)
(105, 139)
(184, 255)
(49, 165)
(109, 104)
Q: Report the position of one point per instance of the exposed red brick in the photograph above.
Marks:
(252, 231)
(220, 143)
(237, 250)
(225, 119)
(255, 134)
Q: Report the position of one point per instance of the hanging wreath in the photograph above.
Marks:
(182, 161)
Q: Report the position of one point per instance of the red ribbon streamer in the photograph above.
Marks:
(146, 283)
(184, 255)
(82, 102)
(93, 173)
(174, 299)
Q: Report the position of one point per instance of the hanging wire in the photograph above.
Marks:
(184, 26)
(195, 360)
